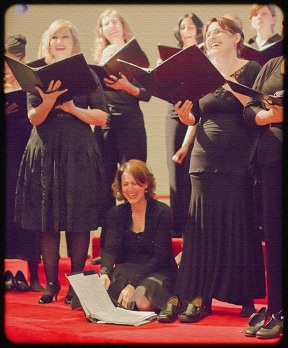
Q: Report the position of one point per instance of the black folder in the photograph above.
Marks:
(188, 74)
(73, 72)
(18, 97)
(166, 52)
(37, 63)
(130, 52)
(263, 54)
(252, 93)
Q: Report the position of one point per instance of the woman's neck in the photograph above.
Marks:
(263, 36)
(138, 216)
(226, 65)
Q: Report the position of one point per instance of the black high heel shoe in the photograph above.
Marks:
(70, 295)
(51, 292)
(9, 281)
(193, 312)
(21, 283)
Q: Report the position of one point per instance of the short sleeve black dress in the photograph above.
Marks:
(60, 179)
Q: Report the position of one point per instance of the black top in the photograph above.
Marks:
(222, 140)
(149, 251)
(252, 42)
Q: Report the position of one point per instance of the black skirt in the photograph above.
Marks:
(222, 251)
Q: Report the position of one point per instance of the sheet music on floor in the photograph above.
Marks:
(98, 306)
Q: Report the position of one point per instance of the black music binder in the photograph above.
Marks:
(18, 97)
(263, 54)
(252, 93)
(130, 52)
(188, 74)
(73, 72)
(166, 52)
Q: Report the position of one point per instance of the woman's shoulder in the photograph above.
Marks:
(158, 204)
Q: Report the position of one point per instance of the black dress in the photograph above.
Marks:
(143, 259)
(61, 177)
(222, 254)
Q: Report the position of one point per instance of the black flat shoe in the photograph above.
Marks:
(256, 321)
(51, 292)
(170, 312)
(96, 261)
(193, 312)
(9, 281)
(273, 328)
(21, 283)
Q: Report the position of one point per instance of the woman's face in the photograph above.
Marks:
(62, 44)
(188, 31)
(219, 40)
(263, 19)
(112, 28)
(132, 191)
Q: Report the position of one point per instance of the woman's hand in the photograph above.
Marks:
(120, 83)
(275, 112)
(180, 154)
(126, 295)
(184, 112)
(105, 281)
(11, 108)
(52, 93)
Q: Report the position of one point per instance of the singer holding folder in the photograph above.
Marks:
(60, 179)
(124, 135)
(222, 254)
(179, 137)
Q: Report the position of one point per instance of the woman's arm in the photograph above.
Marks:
(189, 138)
(95, 117)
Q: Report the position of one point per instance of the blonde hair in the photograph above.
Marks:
(142, 175)
(44, 47)
(100, 42)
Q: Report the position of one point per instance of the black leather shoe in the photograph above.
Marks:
(96, 261)
(193, 312)
(273, 328)
(256, 321)
(21, 283)
(170, 312)
(9, 281)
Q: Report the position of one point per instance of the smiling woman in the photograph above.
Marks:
(138, 267)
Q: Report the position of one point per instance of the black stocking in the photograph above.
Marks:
(50, 253)
(78, 245)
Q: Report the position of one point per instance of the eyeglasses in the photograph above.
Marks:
(111, 23)
(215, 32)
